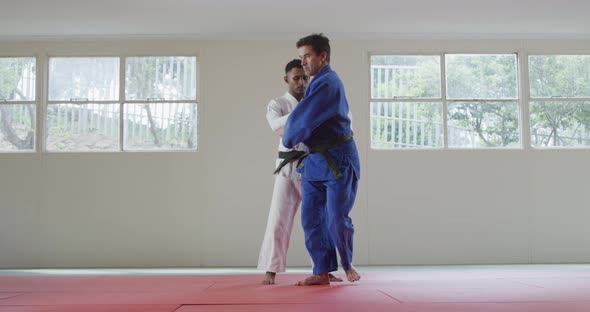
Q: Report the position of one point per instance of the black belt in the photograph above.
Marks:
(323, 150)
(288, 157)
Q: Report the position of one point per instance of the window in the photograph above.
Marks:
(161, 103)
(83, 110)
(406, 106)
(17, 103)
(480, 94)
(559, 100)
(86, 110)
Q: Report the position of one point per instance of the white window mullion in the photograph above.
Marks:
(4, 102)
(159, 101)
(402, 100)
(481, 100)
(524, 102)
(42, 91)
(560, 98)
(443, 88)
(122, 85)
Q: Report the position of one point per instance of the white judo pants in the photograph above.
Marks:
(286, 198)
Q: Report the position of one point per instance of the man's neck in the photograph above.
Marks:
(322, 68)
(297, 97)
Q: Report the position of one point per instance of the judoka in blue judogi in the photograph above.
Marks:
(331, 170)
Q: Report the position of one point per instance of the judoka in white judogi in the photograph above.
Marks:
(286, 197)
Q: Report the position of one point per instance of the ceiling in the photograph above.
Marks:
(253, 19)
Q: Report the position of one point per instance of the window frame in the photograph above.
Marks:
(520, 81)
(37, 133)
(565, 99)
(407, 100)
(121, 102)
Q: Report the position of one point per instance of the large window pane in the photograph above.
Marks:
(481, 76)
(165, 78)
(563, 124)
(483, 124)
(404, 124)
(83, 127)
(92, 78)
(17, 127)
(405, 76)
(559, 75)
(151, 126)
(17, 78)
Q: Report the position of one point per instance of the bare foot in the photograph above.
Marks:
(334, 278)
(320, 279)
(352, 275)
(269, 278)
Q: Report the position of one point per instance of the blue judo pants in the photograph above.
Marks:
(324, 214)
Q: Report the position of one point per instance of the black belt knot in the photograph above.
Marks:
(288, 157)
(323, 150)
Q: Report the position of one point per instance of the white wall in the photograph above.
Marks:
(209, 208)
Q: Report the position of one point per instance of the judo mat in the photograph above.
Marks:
(520, 288)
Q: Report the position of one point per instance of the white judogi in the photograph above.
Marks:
(286, 196)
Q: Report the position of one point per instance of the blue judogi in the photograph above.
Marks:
(322, 118)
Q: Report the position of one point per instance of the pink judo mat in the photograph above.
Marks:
(473, 289)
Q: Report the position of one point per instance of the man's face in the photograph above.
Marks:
(311, 62)
(296, 79)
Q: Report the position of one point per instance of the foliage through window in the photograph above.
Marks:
(17, 103)
(406, 110)
(161, 103)
(407, 102)
(560, 100)
(83, 110)
(158, 109)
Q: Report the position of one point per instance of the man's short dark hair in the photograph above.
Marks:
(295, 63)
(318, 42)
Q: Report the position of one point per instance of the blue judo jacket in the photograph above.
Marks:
(322, 118)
